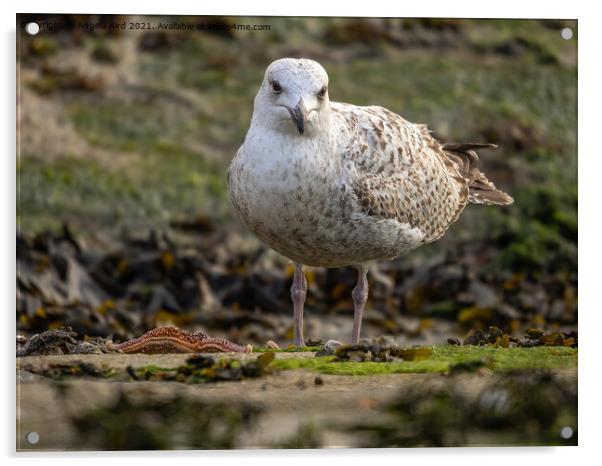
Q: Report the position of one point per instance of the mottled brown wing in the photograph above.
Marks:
(401, 171)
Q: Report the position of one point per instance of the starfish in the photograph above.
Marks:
(329, 184)
(175, 340)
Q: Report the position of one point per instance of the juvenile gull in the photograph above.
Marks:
(330, 184)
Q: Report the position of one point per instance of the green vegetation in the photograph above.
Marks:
(148, 185)
(442, 359)
(201, 368)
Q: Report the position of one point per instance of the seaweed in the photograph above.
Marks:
(519, 408)
(160, 424)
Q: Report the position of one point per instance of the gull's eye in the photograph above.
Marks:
(276, 87)
(322, 93)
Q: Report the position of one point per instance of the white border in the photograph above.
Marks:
(377, 8)
(589, 210)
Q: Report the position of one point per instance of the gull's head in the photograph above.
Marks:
(293, 97)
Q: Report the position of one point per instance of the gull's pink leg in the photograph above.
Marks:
(298, 293)
(360, 296)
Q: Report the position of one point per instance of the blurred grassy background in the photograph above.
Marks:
(123, 131)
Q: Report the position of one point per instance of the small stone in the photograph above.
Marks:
(83, 347)
(474, 337)
(534, 332)
(311, 342)
(318, 380)
(330, 348)
(272, 344)
(454, 341)
(332, 344)
(386, 341)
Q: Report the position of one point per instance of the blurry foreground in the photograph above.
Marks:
(79, 403)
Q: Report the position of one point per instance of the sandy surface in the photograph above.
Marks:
(291, 399)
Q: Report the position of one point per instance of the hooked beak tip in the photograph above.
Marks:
(299, 115)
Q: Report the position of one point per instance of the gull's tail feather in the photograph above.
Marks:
(481, 189)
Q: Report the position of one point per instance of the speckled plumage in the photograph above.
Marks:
(364, 184)
(331, 184)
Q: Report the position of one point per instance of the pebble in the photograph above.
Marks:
(330, 348)
(272, 344)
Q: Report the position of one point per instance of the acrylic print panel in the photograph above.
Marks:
(163, 207)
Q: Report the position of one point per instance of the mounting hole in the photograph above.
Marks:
(566, 432)
(32, 438)
(32, 28)
(566, 33)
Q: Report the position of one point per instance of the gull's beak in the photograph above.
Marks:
(299, 115)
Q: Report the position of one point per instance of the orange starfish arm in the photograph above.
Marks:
(175, 340)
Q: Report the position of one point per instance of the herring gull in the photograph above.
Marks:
(329, 184)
